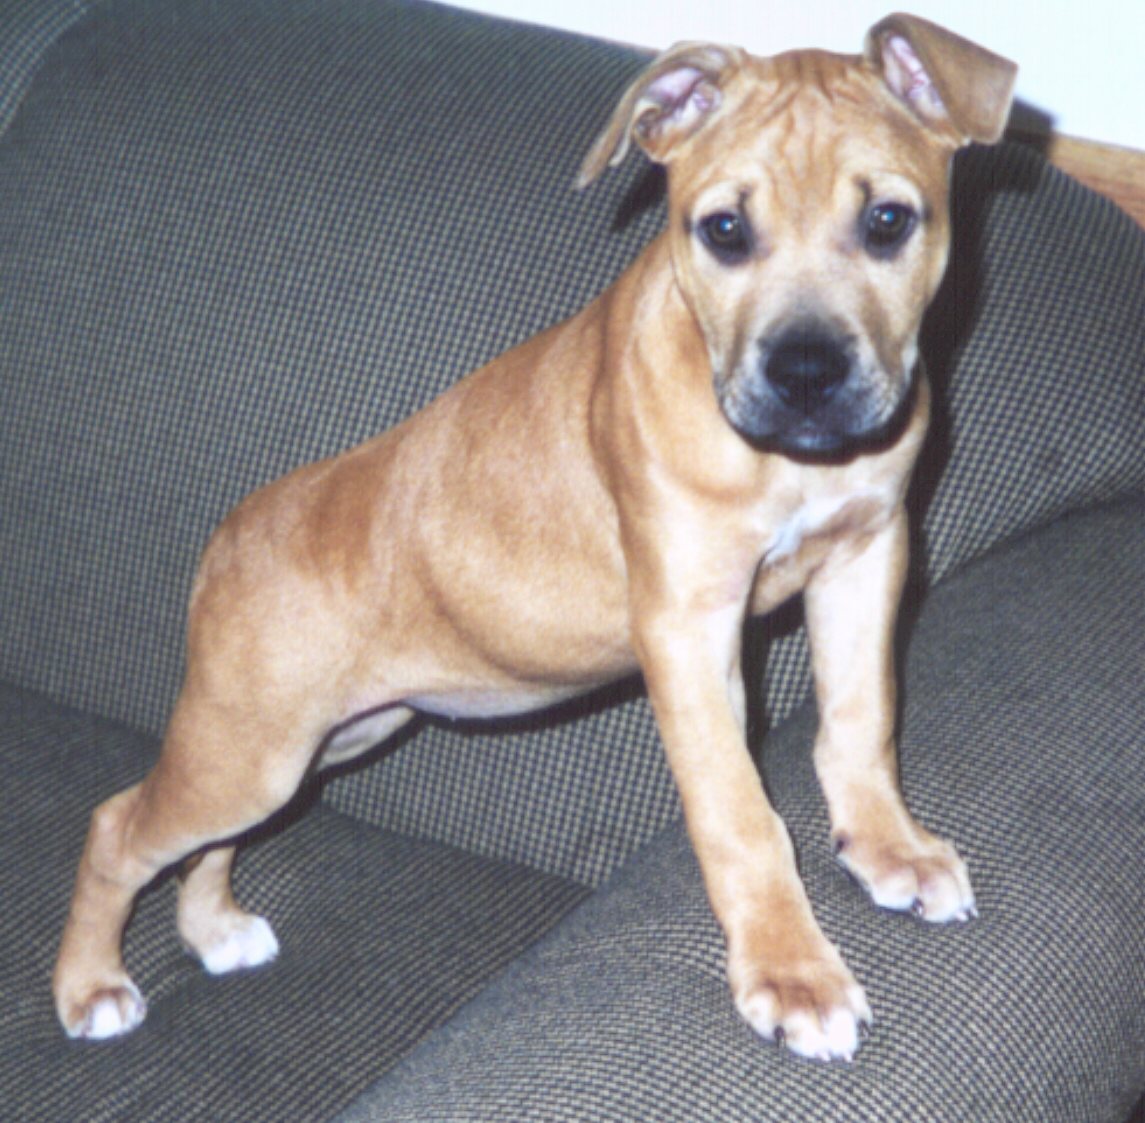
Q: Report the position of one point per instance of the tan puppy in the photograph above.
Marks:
(734, 421)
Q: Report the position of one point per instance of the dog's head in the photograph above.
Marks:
(808, 215)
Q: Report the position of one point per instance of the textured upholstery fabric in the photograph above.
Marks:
(1024, 741)
(235, 237)
(382, 938)
(27, 29)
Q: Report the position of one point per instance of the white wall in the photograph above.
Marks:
(1081, 60)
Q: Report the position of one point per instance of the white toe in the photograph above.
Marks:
(251, 945)
(111, 1017)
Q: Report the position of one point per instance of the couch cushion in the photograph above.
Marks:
(382, 937)
(238, 236)
(1023, 742)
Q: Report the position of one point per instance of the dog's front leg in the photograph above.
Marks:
(788, 980)
(852, 605)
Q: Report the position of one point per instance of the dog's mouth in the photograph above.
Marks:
(808, 440)
(808, 395)
(864, 422)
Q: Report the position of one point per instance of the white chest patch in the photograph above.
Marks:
(816, 516)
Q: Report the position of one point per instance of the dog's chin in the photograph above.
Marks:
(817, 439)
(806, 441)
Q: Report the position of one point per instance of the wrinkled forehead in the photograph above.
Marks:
(801, 127)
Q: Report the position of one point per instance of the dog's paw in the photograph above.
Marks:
(916, 873)
(108, 1010)
(234, 942)
(811, 1006)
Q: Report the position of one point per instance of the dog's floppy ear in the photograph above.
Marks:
(949, 82)
(668, 102)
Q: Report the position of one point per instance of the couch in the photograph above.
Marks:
(238, 235)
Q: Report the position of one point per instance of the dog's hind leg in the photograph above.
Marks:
(211, 922)
(223, 770)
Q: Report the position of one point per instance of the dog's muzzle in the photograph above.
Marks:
(806, 392)
(805, 371)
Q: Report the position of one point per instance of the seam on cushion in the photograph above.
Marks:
(13, 688)
(31, 40)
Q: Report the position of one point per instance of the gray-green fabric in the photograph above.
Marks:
(28, 28)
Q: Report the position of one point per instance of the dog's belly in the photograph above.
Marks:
(365, 726)
(461, 678)
(477, 704)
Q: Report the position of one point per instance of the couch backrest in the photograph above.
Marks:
(236, 237)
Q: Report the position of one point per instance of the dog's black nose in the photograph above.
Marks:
(805, 368)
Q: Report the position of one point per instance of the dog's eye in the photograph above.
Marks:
(727, 236)
(886, 226)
